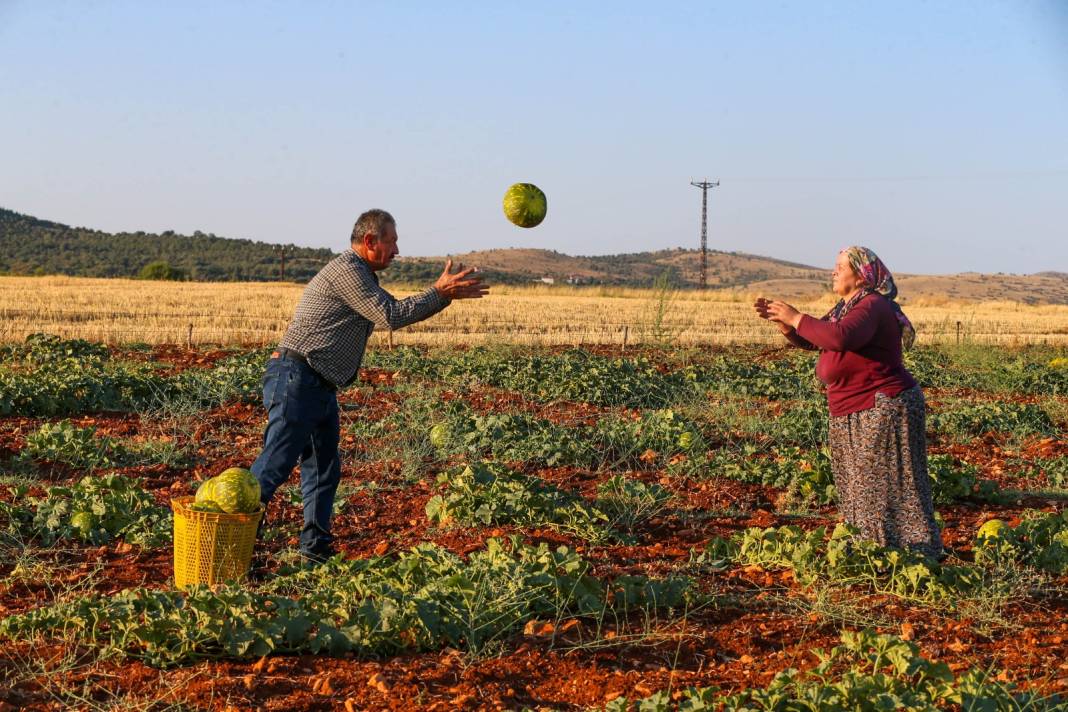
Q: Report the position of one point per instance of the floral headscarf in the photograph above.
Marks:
(875, 278)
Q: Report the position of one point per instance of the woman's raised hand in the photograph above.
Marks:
(780, 313)
(783, 313)
(761, 306)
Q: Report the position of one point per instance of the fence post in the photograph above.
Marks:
(189, 337)
(391, 339)
(958, 333)
(626, 329)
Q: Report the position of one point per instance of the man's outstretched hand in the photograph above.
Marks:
(460, 284)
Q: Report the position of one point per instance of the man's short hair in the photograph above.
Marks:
(374, 222)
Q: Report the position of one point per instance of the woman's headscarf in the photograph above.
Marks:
(875, 278)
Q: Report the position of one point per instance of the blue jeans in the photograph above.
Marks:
(302, 425)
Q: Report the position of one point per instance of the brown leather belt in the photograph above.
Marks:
(296, 356)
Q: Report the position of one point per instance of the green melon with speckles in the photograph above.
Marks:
(83, 522)
(525, 205)
(440, 436)
(206, 491)
(991, 530)
(237, 490)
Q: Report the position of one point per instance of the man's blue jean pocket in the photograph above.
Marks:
(296, 391)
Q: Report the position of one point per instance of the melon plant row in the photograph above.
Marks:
(866, 671)
(425, 598)
(74, 381)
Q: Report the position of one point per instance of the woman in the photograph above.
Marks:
(877, 426)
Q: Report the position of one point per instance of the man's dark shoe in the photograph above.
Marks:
(311, 559)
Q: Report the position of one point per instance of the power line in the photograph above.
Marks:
(990, 176)
(281, 251)
(704, 186)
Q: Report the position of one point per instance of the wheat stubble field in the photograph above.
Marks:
(132, 311)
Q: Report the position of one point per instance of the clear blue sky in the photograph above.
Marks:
(934, 132)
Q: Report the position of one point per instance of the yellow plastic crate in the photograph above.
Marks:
(211, 547)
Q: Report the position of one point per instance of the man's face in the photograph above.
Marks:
(381, 249)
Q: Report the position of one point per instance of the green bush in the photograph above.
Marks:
(974, 419)
(78, 447)
(867, 672)
(846, 557)
(161, 270)
(513, 437)
(575, 375)
(628, 503)
(71, 377)
(804, 472)
(95, 511)
(489, 493)
(952, 481)
(781, 379)
(1040, 541)
(84, 449)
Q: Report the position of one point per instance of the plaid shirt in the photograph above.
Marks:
(340, 308)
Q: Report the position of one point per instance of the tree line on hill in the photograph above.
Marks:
(31, 246)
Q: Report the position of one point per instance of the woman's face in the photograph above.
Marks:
(844, 281)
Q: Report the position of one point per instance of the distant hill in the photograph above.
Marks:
(29, 245)
(737, 270)
(681, 268)
(1040, 288)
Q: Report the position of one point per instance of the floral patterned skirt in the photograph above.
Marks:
(879, 461)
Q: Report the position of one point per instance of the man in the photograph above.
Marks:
(321, 351)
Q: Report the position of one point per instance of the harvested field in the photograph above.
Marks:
(194, 313)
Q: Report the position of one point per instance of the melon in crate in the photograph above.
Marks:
(236, 490)
(206, 491)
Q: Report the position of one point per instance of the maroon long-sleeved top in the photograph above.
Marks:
(860, 355)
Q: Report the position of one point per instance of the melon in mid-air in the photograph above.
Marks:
(525, 205)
